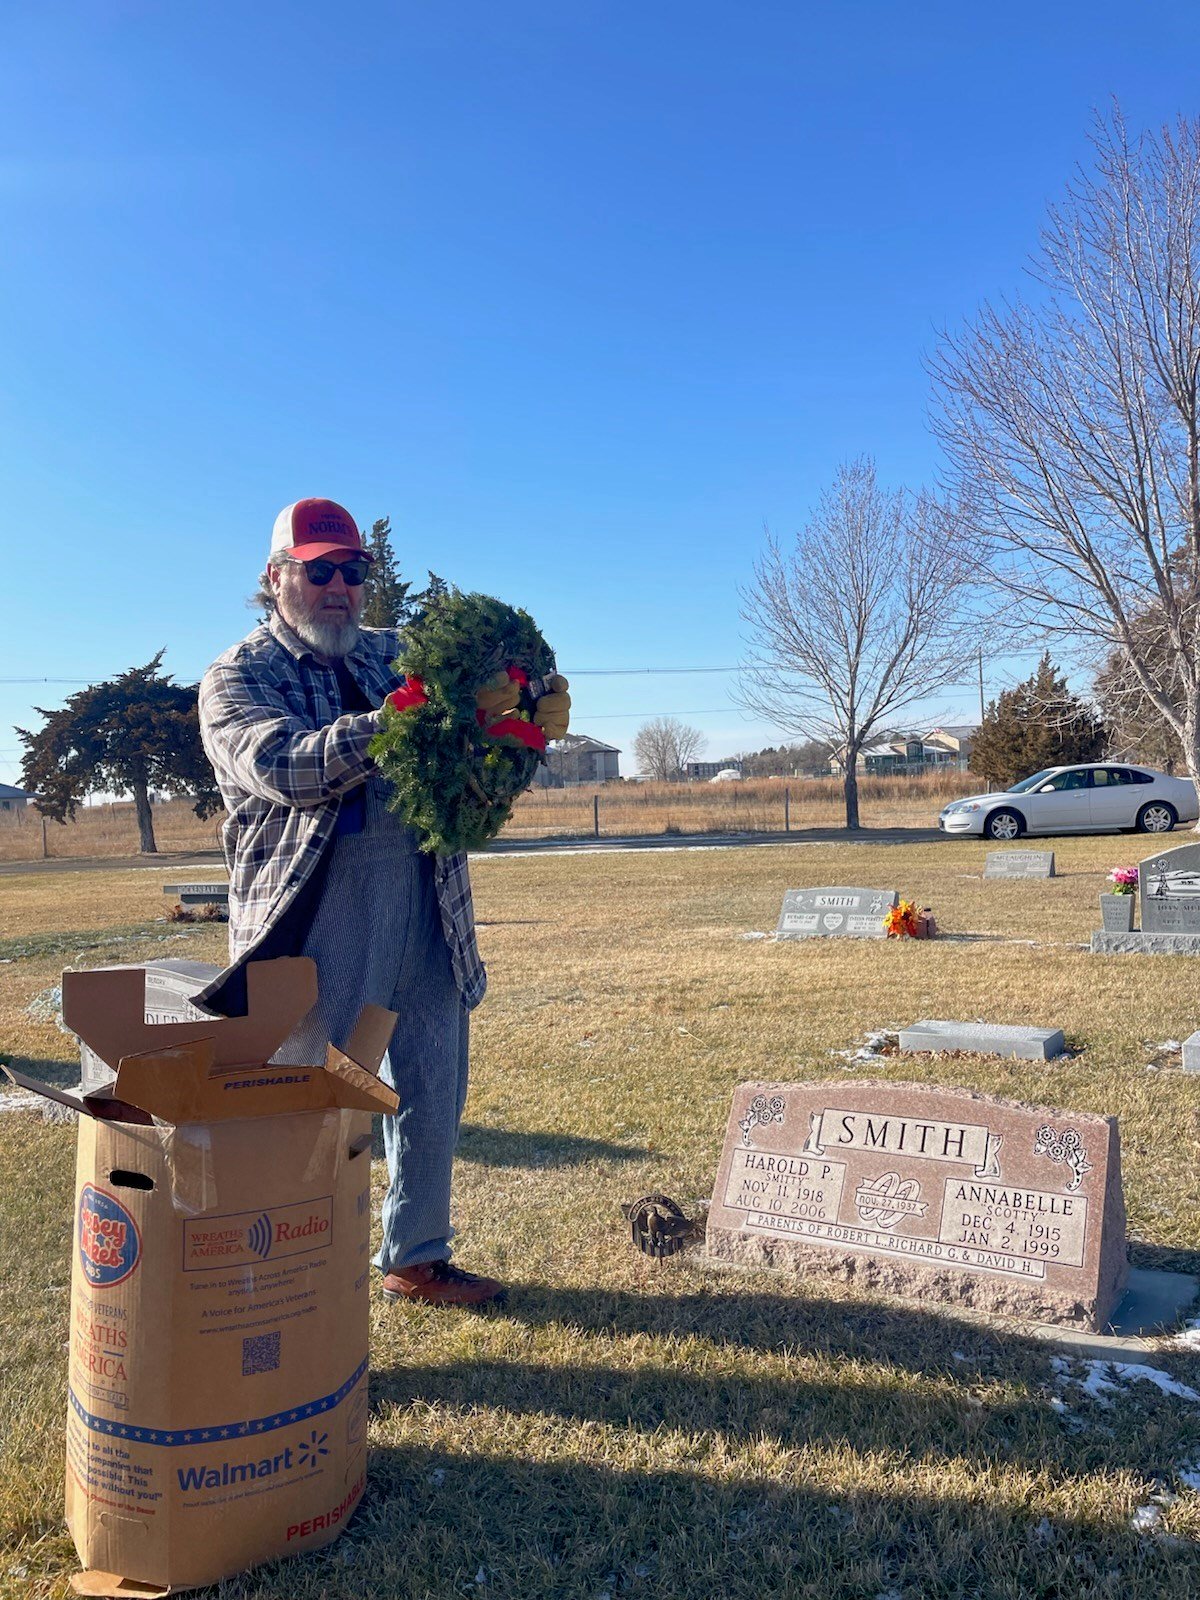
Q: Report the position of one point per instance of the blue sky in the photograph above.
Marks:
(580, 295)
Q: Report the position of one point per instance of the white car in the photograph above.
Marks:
(1102, 797)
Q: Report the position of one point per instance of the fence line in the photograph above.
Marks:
(758, 805)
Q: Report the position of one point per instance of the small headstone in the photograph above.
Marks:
(1169, 891)
(193, 894)
(926, 1192)
(1191, 1052)
(985, 1039)
(1019, 864)
(835, 913)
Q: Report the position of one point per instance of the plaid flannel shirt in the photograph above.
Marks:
(283, 756)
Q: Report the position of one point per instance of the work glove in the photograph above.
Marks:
(499, 695)
(408, 696)
(552, 713)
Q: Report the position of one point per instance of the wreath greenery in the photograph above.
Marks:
(450, 779)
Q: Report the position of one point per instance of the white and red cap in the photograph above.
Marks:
(309, 529)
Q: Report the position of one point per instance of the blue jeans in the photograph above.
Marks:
(376, 937)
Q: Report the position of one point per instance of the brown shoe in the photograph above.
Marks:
(438, 1283)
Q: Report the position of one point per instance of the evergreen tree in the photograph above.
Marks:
(1037, 724)
(387, 603)
(136, 733)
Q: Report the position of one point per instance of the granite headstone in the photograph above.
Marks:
(835, 913)
(984, 1038)
(1169, 890)
(926, 1192)
(1019, 864)
(190, 894)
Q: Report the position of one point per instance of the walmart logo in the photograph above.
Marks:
(312, 1449)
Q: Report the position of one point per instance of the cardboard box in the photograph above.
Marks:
(217, 1405)
(170, 985)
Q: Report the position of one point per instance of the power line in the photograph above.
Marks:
(613, 716)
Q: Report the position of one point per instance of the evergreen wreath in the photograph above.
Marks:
(451, 779)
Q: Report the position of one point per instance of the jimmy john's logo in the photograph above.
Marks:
(246, 1237)
(109, 1241)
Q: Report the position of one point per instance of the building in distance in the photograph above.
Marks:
(941, 749)
(14, 799)
(578, 759)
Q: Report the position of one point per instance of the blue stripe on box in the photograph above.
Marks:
(230, 1430)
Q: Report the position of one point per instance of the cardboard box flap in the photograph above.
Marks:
(371, 1037)
(355, 1081)
(106, 1007)
(111, 1586)
(84, 1105)
(190, 1084)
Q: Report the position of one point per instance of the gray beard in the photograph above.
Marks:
(330, 639)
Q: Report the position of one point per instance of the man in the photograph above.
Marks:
(320, 867)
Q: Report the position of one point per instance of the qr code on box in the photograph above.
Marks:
(260, 1354)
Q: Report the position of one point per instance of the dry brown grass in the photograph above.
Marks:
(641, 1431)
(755, 806)
(105, 830)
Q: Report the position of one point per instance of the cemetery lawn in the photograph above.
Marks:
(622, 1428)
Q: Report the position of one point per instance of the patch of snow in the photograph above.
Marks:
(1188, 1338)
(47, 1007)
(1189, 1476)
(19, 1100)
(1146, 1519)
(1103, 1378)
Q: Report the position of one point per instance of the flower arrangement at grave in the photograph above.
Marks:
(905, 921)
(455, 769)
(1124, 880)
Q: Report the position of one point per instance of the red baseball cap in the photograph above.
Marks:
(308, 529)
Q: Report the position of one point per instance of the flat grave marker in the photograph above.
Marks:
(1019, 864)
(985, 1039)
(926, 1192)
(835, 913)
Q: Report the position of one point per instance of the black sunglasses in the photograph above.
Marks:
(321, 571)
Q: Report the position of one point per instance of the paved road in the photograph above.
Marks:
(213, 861)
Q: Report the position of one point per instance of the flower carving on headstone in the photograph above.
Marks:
(1067, 1147)
(760, 1113)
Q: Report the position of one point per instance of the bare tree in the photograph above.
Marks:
(1075, 424)
(664, 746)
(866, 612)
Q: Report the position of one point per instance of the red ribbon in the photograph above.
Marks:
(409, 696)
(528, 733)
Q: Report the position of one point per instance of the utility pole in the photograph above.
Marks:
(989, 782)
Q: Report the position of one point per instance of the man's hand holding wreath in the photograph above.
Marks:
(500, 696)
